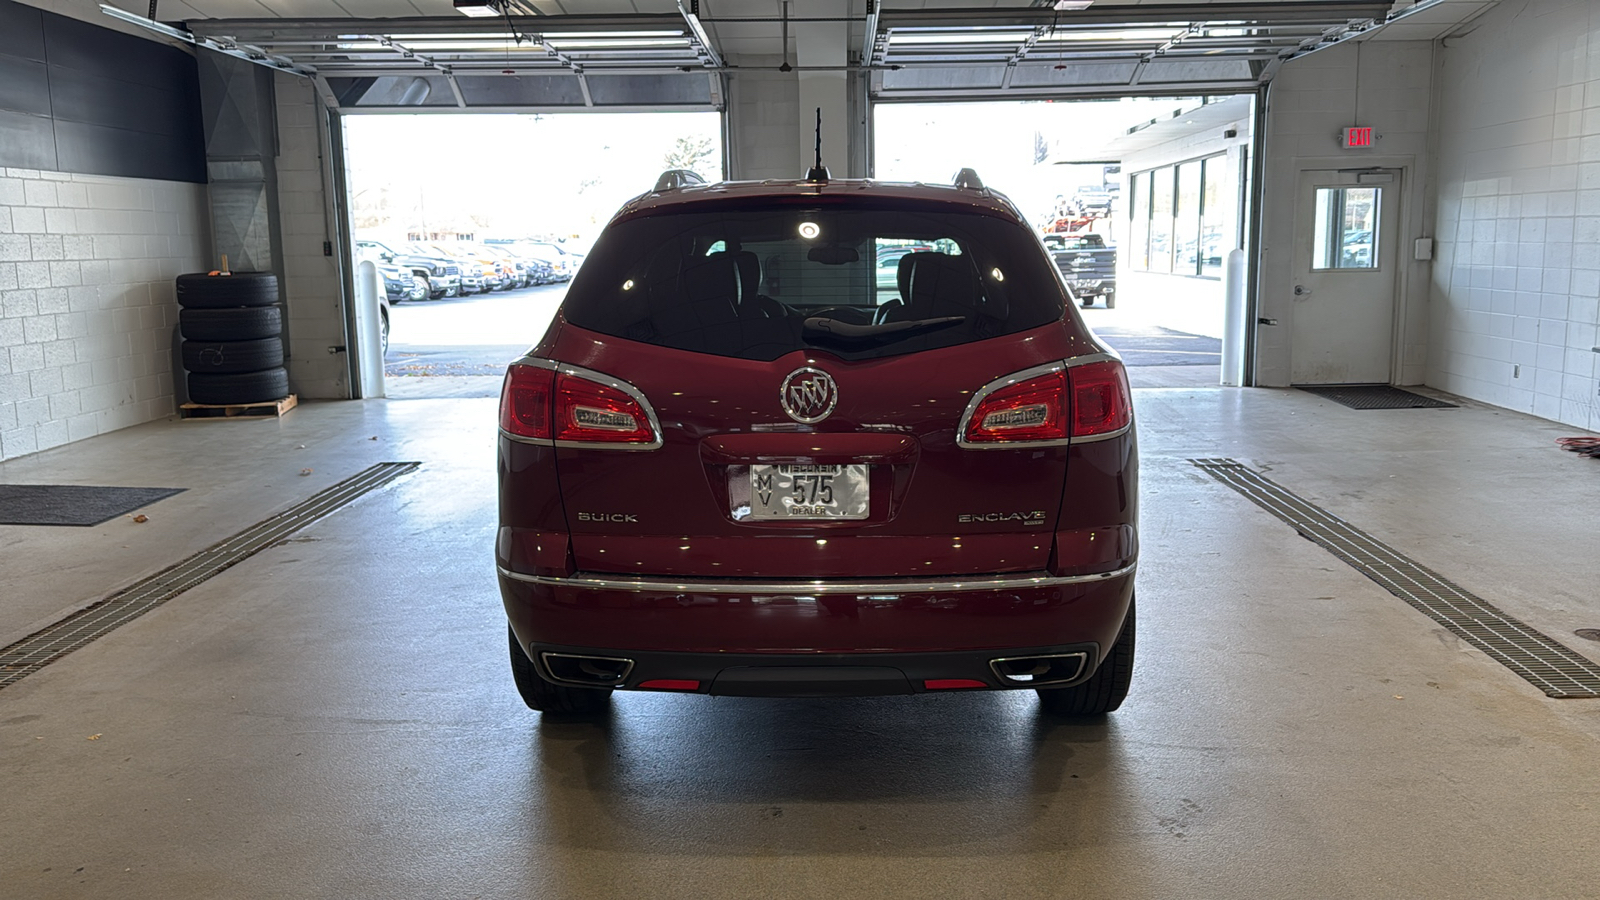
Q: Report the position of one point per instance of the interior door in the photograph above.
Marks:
(1346, 232)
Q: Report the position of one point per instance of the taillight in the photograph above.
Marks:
(1101, 402)
(596, 413)
(525, 401)
(1080, 401)
(543, 403)
(1032, 410)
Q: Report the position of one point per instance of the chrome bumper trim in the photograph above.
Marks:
(881, 587)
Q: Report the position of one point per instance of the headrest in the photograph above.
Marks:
(714, 277)
(940, 285)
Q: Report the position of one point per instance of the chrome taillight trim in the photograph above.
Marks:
(1084, 360)
(1005, 381)
(813, 587)
(1024, 375)
(601, 378)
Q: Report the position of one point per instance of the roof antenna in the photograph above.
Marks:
(818, 173)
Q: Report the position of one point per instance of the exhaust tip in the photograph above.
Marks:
(1034, 671)
(588, 671)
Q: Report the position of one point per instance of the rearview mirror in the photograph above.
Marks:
(833, 255)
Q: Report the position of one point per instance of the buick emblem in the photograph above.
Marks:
(808, 395)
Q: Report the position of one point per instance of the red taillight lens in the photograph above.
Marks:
(1032, 410)
(595, 413)
(525, 401)
(541, 403)
(1101, 402)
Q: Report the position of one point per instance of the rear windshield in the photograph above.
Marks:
(856, 283)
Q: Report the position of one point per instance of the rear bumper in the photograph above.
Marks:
(787, 620)
(814, 674)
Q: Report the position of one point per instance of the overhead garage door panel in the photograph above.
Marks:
(521, 90)
(650, 90)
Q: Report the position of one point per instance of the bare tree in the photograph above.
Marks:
(690, 153)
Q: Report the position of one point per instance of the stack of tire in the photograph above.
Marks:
(232, 338)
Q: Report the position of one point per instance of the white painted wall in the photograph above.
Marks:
(87, 303)
(1514, 308)
(1385, 84)
(311, 279)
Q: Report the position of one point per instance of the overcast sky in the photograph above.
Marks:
(565, 174)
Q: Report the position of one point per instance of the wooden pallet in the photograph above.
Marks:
(231, 411)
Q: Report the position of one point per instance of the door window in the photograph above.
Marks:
(1345, 228)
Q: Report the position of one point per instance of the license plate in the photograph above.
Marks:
(797, 493)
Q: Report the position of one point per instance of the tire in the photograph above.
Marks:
(1105, 690)
(1087, 302)
(383, 333)
(419, 290)
(245, 324)
(239, 387)
(427, 287)
(205, 291)
(216, 357)
(543, 696)
(1111, 301)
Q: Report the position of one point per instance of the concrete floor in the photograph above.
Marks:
(334, 716)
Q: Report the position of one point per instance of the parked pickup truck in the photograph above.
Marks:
(439, 275)
(1088, 265)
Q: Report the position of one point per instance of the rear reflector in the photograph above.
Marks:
(952, 684)
(670, 684)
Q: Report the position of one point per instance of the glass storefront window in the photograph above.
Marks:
(1186, 221)
(1161, 196)
(1139, 220)
(1217, 188)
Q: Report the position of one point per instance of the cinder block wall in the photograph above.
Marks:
(86, 301)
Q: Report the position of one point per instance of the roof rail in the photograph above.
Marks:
(672, 179)
(967, 178)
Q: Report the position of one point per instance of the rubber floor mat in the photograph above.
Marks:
(1374, 396)
(72, 504)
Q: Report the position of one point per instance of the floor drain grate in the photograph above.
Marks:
(1548, 665)
(44, 647)
(1374, 396)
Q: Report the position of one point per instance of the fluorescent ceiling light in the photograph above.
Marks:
(564, 35)
(564, 44)
(476, 8)
(979, 37)
(1064, 5)
(1141, 34)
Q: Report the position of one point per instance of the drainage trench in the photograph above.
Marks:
(51, 643)
(1545, 663)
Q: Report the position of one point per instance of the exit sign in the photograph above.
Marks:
(1359, 136)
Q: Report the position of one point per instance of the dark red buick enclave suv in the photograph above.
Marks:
(749, 458)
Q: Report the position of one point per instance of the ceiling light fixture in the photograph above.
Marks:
(477, 9)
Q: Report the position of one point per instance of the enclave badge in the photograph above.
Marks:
(808, 395)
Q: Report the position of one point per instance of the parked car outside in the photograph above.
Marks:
(563, 261)
(474, 274)
(439, 274)
(1087, 264)
(398, 283)
(516, 271)
(734, 466)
